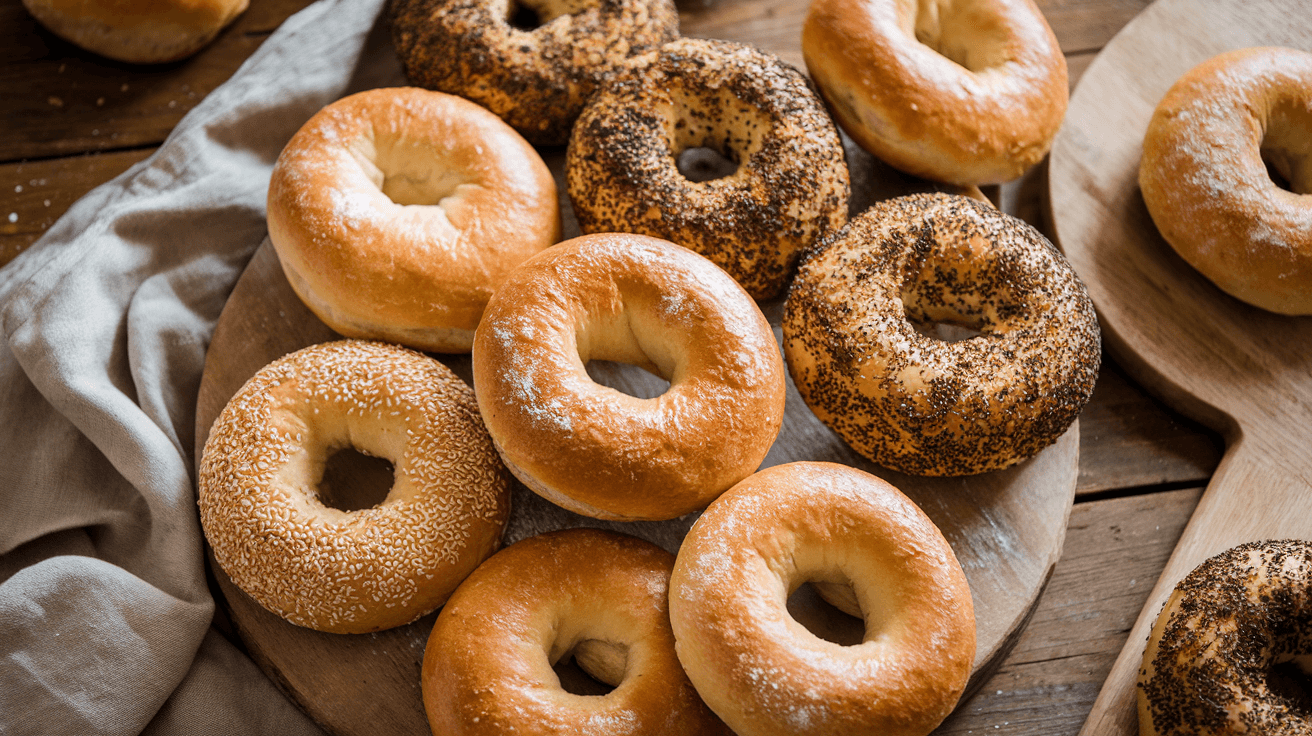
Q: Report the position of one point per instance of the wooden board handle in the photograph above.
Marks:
(1256, 474)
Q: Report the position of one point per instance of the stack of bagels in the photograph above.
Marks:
(416, 219)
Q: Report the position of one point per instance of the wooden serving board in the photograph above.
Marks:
(1007, 528)
(1245, 372)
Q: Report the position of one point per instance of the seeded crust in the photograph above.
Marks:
(1207, 670)
(539, 80)
(918, 404)
(359, 571)
(791, 186)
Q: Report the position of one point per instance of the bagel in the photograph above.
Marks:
(137, 31)
(1204, 174)
(373, 568)
(599, 597)
(958, 91)
(765, 674)
(860, 347)
(1228, 638)
(638, 300)
(397, 212)
(537, 77)
(790, 186)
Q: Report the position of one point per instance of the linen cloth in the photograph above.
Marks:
(105, 617)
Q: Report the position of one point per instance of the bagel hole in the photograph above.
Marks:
(353, 480)
(592, 667)
(408, 175)
(628, 379)
(1286, 147)
(523, 18)
(1291, 682)
(823, 619)
(945, 331)
(700, 164)
(968, 37)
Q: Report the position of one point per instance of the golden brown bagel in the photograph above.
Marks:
(959, 91)
(598, 596)
(137, 31)
(397, 212)
(537, 79)
(1232, 633)
(859, 336)
(364, 570)
(767, 675)
(790, 187)
(1204, 174)
(637, 300)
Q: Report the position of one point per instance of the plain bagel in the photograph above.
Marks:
(397, 212)
(137, 31)
(638, 300)
(962, 91)
(767, 675)
(596, 596)
(1205, 181)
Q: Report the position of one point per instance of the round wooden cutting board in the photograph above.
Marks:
(1246, 372)
(1007, 528)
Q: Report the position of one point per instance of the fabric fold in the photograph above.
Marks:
(104, 610)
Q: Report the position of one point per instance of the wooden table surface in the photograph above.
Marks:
(71, 120)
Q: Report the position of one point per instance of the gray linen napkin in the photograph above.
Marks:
(104, 611)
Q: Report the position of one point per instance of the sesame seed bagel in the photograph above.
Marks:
(959, 91)
(370, 569)
(767, 675)
(1205, 180)
(1230, 646)
(855, 337)
(791, 183)
(537, 79)
(597, 596)
(397, 212)
(638, 300)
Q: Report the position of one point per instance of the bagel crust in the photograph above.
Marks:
(370, 569)
(1213, 659)
(767, 675)
(397, 212)
(1205, 181)
(958, 91)
(790, 187)
(638, 300)
(137, 31)
(928, 406)
(537, 80)
(598, 596)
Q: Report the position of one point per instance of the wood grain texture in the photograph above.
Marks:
(1114, 551)
(37, 193)
(1007, 528)
(1243, 371)
(61, 100)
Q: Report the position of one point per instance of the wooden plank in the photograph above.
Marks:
(35, 194)
(61, 100)
(1129, 439)
(1114, 551)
